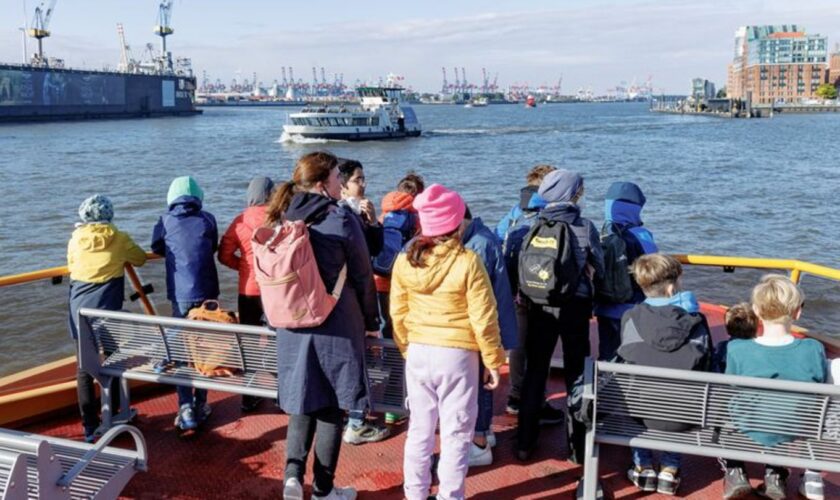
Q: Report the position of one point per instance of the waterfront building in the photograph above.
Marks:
(702, 89)
(780, 63)
(834, 69)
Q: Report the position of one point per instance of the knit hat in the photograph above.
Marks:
(259, 191)
(97, 208)
(183, 186)
(560, 186)
(440, 210)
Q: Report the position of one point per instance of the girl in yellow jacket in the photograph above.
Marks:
(96, 256)
(445, 323)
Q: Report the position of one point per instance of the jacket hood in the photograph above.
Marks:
(684, 300)
(623, 204)
(530, 200)
(95, 237)
(309, 207)
(475, 227)
(397, 200)
(626, 191)
(259, 191)
(665, 328)
(254, 217)
(183, 186)
(185, 205)
(438, 263)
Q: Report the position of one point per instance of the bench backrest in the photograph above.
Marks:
(45, 460)
(13, 485)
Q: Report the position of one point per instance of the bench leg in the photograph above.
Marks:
(590, 467)
(107, 409)
(126, 414)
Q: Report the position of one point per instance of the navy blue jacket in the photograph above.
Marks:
(481, 240)
(188, 237)
(587, 242)
(323, 366)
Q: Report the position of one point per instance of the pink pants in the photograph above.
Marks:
(442, 383)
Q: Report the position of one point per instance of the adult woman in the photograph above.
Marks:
(322, 368)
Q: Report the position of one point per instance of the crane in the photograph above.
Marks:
(39, 29)
(163, 29)
(125, 51)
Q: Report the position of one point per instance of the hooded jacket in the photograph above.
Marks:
(449, 302)
(395, 200)
(530, 202)
(481, 240)
(666, 333)
(587, 242)
(188, 237)
(98, 252)
(235, 248)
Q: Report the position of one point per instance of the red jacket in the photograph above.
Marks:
(235, 249)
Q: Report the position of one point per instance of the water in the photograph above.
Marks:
(727, 187)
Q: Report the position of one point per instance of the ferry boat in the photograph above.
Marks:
(381, 114)
(477, 102)
(238, 455)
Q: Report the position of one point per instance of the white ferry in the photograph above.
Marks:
(382, 114)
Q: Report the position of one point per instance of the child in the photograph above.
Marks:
(667, 330)
(741, 323)
(235, 252)
(777, 354)
(96, 257)
(445, 319)
(351, 174)
(188, 237)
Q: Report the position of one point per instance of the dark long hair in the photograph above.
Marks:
(310, 169)
(419, 248)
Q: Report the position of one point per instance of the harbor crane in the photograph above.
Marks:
(40, 29)
(163, 29)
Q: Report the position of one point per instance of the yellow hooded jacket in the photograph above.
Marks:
(98, 252)
(447, 303)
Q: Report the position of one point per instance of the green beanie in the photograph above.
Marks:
(183, 186)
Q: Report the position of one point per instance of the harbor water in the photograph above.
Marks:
(763, 188)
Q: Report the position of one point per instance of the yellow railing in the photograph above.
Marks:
(796, 268)
(43, 274)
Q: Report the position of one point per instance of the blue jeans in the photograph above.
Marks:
(356, 418)
(187, 395)
(643, 457)
(485, 406)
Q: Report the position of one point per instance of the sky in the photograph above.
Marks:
(589, 43)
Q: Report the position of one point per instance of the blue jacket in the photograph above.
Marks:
(623, 208)
(188, 237)
(529, 201)
(481, 240)
(323, 366)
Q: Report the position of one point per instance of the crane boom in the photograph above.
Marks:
(40, 27)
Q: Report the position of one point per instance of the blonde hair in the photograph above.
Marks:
(535, 176)
(776, 298)
(741, 321)
(655, 271)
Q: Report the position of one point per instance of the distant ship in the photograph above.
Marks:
(382, 114)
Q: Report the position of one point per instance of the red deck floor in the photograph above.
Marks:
(241, 456)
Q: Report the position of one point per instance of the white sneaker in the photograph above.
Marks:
(491, 439)
(480, 456)
(292, 490)
(339, 494)
(811, 485)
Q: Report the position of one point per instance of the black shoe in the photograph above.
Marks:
(550, 415)
(775, 484)
(512, 407)
(524, 455)
(735, 484)
(250, 403)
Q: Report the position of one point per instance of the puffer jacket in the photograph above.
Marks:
(449, 303)
(235, 248)
(98, 252)
(395, 200)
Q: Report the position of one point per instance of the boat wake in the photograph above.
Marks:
(491, 132)
(286, 138)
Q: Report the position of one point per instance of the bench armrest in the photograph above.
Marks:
(140, 463)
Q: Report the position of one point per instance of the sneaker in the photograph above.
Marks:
(512, 407)
(185, 420)
(292, 489)
(550, 415)
(203, 413)
(643, 477)
(480, 456)
(250, 403)
(392, 418)
(775, 484)
(491, 439)
(367, 433)
(338, 494)
(811, 485)
(735, 484)
(668, 481)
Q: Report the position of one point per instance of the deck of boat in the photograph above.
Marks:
(241, 456)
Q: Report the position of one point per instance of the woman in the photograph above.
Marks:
(445, 319)
(322, 368)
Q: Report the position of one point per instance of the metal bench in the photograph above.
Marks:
(42, 467)
(137, 344)
(717, 407)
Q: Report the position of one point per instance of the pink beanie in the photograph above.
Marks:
(440, 210)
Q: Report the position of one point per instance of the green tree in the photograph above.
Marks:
(721, 94)
(827, 91)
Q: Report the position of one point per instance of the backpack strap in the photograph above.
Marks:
(339, 283)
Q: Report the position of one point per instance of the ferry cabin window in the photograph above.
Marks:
(360, 121)
(374, 121)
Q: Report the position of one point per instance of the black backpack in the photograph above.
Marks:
(548, 268)
(616, 286)
(397, 228)
(512, 244)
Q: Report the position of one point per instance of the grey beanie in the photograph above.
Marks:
(97, 208)
(259, 191)
(560, 186)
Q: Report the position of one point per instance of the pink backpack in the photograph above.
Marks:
(293, 293)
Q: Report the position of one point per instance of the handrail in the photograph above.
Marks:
(52, 272)
(796, 267)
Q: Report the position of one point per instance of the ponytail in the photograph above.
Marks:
(280, 201)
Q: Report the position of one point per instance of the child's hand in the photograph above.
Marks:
(491, 378)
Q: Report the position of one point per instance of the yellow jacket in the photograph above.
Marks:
(98, 252)
(448, 303)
